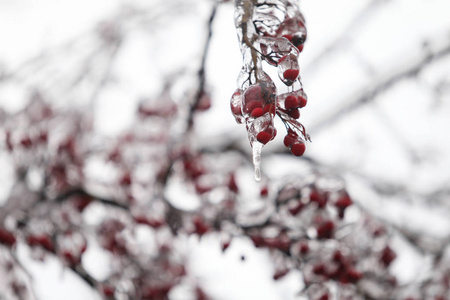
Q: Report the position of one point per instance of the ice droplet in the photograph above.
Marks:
(256, 151)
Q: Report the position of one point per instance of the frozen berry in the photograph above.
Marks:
(257, 112)
(298, 149)
(291, 74)
(290, 139)
(264, 137)
(302, 101)
(291, 102)
(294, 113)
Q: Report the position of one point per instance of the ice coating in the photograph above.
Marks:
(256, 153)
(272, 31)
(236, 106)
(255, 126)
(273, 49)
(267, 23)
(288, 69)
(261, 124)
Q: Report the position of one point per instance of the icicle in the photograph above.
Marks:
(256, 151)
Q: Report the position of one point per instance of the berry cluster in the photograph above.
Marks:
(273, 32)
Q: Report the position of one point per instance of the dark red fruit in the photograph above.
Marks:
(387, 256)
(319, 198)
(279, 274)
(251, 106)
(41, 240)
(291, 102)
(302, 101)
(290, 139)
(126, 179)
(344, 201)
(353, 275)
(257, 112)
(232, 185)
(152, 222)
(319, 269)
(264, 191)
(304, 248)
(298, 149)
(325, 230)
(264, 137)
(107, 290)
(7, 238)
(295, 208)
(200, 226)
(294, 113)
(291, 74)
(298, 40)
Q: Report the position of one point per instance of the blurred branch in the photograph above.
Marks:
(82, 192)
(198, 95)
(383, 82)
(201, 72)
(343, 39)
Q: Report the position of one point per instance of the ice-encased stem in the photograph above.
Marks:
(256, 152)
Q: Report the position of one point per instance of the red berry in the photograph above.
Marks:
(290, 139)
(232, 184)
(152, 222)
(304, 248)
(353, 275)
(26, 142)
(338, 257)
(291, 102)
(294, 113)
(126, 179)
(257, 240)
(204, 103)
(264, 137)
(279, 274)
(7, 238)
(387, 256)
(257, 112)
(41, 240)
(107, 290)
(81, 202)
(264, 191)
(344, 202)
(200, 226)
(298, 40)
(302, 101)
(325, 230)
(298, 149)
(319, 198)
(225, 245)
(295, 208)
(319, 269)
(251, 106)
(291, 74)
(324, 297)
